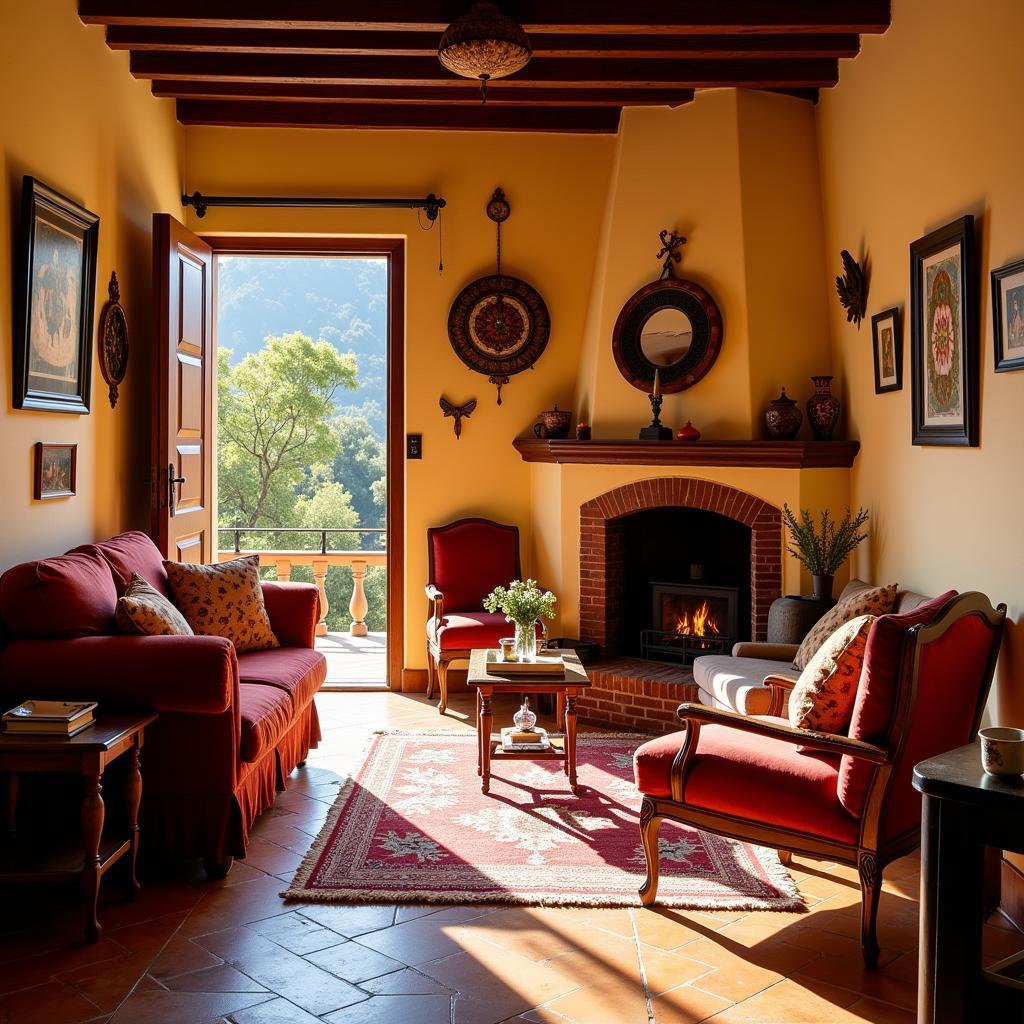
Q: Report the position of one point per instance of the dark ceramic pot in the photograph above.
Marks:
(821, 586)
(783, 418)
(554, 423)
(823, 408)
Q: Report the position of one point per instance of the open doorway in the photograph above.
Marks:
(308, 335)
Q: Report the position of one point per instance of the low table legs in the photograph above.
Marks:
(484, 734)
(93, 813)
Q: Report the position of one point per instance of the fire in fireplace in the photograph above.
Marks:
(690, 620)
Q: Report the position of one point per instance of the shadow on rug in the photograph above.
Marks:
(411, 825)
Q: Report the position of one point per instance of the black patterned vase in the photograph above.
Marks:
(823, 408)
(783, 418)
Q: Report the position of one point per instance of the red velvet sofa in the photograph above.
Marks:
(231, 727)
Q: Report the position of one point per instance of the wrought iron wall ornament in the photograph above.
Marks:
(672, 326)
(852, 288)
(457, 412)
(113, 339)
(498, 324)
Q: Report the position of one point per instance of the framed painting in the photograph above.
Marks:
(55, 290)
(944, 336)
(887, 342)
(56, 470)
(1008, 316)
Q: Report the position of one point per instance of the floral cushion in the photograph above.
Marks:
(143, 609)
(223, 600)
(871, 601)
(825, 693)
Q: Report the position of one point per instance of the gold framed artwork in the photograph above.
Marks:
(887, 342)
(56, 470)
(1008, 316)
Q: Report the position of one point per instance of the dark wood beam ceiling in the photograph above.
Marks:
(373, 63)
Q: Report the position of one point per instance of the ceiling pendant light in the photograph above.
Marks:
(484, 44)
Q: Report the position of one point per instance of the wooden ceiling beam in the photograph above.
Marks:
(593, 120)
(424, 44)
(427, 71)
(500, 94)
(568, 16)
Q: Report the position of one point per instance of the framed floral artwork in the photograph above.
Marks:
(887, 342)
(55, 291)
(944, 336)
(1008, 316)
(56, 469)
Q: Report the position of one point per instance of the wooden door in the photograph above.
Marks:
(183, 381)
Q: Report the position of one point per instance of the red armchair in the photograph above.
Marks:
(230, 728)
(924, 684)
(467, 560)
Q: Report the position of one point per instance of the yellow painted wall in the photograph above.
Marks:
(72, 116)
(906, 147)
(557, 185)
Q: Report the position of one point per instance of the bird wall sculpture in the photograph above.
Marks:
(457, 412)
(852, 286)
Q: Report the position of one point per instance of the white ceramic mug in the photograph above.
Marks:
(1002, 751)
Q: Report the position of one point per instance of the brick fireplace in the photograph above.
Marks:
(602, 549)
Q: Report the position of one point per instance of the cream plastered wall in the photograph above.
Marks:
(736, 173)
(907, 145)
(557, 185)
(73, 116)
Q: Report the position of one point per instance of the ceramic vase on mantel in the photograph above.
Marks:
(823, 408)
(783, 418)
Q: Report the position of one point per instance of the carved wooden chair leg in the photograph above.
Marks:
(871, 890)
(430, 673)
(785, 857)
(442, 679)
(650, 824)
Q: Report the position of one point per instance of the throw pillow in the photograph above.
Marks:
(873, 601)
(824, 695)
(143, 609)
(225, 600)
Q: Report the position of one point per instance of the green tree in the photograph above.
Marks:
(360, 462)
(273, 421)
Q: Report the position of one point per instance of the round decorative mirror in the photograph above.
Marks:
(666, 336)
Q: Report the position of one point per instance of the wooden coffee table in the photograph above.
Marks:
(566, 690)
(88, 853)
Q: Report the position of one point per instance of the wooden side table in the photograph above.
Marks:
(93, 854)
(566, 689)
(964, 811)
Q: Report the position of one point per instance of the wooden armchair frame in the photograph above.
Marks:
(438, 661)
(871, 852)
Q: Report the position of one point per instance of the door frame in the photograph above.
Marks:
(394, 250)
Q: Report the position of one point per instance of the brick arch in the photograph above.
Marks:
(601, 551)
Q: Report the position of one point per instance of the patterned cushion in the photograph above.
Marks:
(143, 609)
(872, 601)
(824, 694)
(223, 600)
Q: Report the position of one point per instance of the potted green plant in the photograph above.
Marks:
(523, 603)
(822, 547)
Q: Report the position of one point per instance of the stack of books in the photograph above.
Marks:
(49, 717)
(515, 740)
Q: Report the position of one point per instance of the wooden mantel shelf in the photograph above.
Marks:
(756, 454)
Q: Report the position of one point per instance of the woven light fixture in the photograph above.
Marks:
(484, 44)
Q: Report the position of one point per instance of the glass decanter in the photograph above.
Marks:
(524, 719)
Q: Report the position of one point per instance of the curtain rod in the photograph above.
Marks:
(431, 203)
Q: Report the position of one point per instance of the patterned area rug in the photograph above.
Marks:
(413, 826)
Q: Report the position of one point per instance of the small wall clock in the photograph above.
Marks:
(113, 340)
(499, 325)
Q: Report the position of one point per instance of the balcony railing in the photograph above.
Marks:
(320, 559)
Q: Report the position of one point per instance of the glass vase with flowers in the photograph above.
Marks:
(523, 603)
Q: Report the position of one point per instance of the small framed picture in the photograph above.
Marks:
(1008, 316)
(55, 291)
(944, 336)
(56, 469)
(888, 345)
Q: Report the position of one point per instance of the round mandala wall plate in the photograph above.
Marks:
(499, 326)
(673, 326)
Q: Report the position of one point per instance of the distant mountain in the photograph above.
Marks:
(341, 299)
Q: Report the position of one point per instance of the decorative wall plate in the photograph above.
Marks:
(113, 340)
(499, 326)
(672, 325)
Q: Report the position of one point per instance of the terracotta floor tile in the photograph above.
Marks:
(670, 928)
(284, 973)
(36, 970)
(622, 1003)
(213, 979)
(741, 972)
(155, 1007)
(107, 983)
(686, 1005)
(420, 1009)
(296, 933)
(354, 962)
(181, 955)
(793, 1003)
(424, 939)
(147, 937)
(529, 932)
(850, 973)
(238, 904)
(270, 858)
(274, 1011)
(881, 1013)
(347, 918)
(999, 942)
(404, 982)
(50, 1003)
